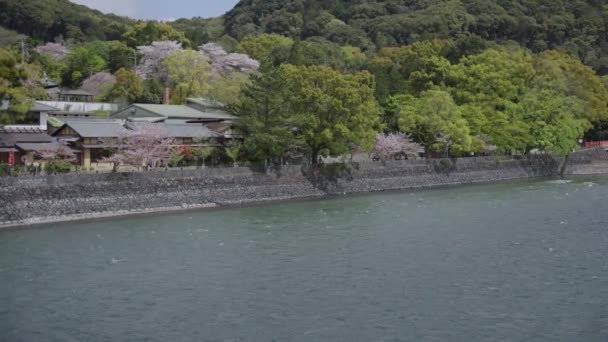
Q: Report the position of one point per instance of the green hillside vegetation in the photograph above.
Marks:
(458, 76)
(10, 37)
(578, 27)
(46, 20)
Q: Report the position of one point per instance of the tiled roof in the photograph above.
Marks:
(28, 130)
(205, 102)
(96, 128)
(220, 127)
(76, 92)
(41, 107)
(27, 147)
(179, 111)
(181, 130)
(10, 137)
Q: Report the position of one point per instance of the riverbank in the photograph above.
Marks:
(27, 201)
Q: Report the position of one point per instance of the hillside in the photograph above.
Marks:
(46, 20)
(578, 27)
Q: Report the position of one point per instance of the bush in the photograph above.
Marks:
(58, 166)
(5, 169)
(444, 166)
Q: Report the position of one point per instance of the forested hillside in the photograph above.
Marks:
(579, 27)
(326, 77)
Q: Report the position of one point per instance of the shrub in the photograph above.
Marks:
(444, 166)
(58, 166)
(5, 169)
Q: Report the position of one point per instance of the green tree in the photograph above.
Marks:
(80, 64)
(268, 49)
(263, 119)
(226, 88)
(555, 122)
(14, 99)
(485, 85)
(569, 76)
(435, 121)
(127, 89)
(332, 111)
(422, 65)
(152, 92)
(188, 72)
(120, 56)
(144, 33)
(201, 153)
(233, 152)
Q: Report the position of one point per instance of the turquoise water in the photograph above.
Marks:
(515, 261)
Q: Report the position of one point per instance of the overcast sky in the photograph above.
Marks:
(161, 9)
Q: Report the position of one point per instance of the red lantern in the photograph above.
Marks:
(11, 158)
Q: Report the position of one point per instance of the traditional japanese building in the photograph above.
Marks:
(18, 146)
(94, 138)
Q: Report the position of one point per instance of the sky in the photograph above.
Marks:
(161, 9)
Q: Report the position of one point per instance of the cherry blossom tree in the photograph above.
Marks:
(53, 152)
(152, 57)
(57, 51)
(223, 62)
(394, 144)
(98, 83)
(146, 145)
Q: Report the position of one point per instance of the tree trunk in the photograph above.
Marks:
(564, 165)
(314, 157)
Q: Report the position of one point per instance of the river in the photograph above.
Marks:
(520, 261)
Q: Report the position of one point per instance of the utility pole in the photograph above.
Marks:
(134, 59)
(22, 51)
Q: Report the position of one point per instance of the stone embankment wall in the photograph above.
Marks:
(29, 200)
(592, 162)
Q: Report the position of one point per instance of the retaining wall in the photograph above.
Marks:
(28, 200)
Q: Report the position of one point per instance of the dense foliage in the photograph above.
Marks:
(46, 20)
(325, 77)
(579, 27)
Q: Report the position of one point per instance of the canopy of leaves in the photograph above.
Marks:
(47, 20)
(314, 109)
(15, 93)
(144, 33)
(188, 72)
(579, 27)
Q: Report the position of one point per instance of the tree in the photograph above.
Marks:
(568, 76)
(485, 85)
(422, 65)
(152, 92)
(119, 56)
(14, 94)
(152, 56)
(98, 83)
(145, 146)
(223, 62)
(435, 121)
(263, 119)
(201, 153)
(56, 51)
(233, 152)
(56, 152)
(80, 64)
(145, 33)
(555, 122)
(331, 110)
(188, 72)
(127, 88)
(269, 49)
(226, 88)
(394, 144)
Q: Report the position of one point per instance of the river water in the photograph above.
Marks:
(523, 261)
